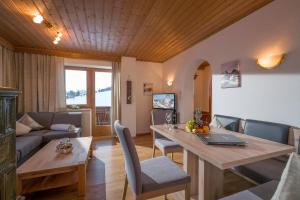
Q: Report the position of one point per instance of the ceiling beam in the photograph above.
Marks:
(5, 43)
(68, 54)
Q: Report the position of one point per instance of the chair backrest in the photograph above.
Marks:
(229, 123)
(158, 117)
(267, 130)
(132, 162)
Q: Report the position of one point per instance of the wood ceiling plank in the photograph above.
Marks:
(26, 10)
(175, 25)
(152, 30)
(59, 7)
(13, 25)
(72, 16)
(214, 23)
(51, 12)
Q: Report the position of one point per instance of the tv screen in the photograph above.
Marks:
(164, 101)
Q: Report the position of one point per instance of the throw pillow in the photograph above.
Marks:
(242, 126)
(288, 187)
(28, 121)
(63, 127)
(22, 129)
(215, 123)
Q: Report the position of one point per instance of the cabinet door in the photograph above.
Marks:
(8, 184)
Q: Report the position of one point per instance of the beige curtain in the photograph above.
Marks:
(7, 68)
(41, 80)
(116, 93)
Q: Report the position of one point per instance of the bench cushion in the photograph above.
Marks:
(263, 171)
(261, 192)
(229, 123)
(267, 130)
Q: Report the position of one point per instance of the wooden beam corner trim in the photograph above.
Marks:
(6, 43)
(68, 54)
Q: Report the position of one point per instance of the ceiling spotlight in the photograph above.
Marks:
(38, 19)
(59, 34)
(55, 42)
(57, 38)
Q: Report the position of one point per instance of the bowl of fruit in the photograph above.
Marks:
(192, 126)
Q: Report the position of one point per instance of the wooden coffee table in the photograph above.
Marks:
(48, 169)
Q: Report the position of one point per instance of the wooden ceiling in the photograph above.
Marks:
(150, 30)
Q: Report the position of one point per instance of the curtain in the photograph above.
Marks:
(41, 80)
(7, 68)
(116, 94)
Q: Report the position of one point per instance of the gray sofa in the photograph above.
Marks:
(267, 173)
(30, 143)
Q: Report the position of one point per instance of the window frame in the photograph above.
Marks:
(90, 79)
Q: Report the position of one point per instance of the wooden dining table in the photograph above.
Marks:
(206, 163)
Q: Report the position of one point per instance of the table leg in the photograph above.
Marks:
(81, 180)
(210, 181)
(190, 165)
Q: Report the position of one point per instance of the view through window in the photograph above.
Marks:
(103, 97)
(76, 87)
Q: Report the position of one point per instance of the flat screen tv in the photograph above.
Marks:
(164, 101)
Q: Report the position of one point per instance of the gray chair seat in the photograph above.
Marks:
(25, 146)
(261, 192)
(161, 172)
(263, 171)
(167, 145)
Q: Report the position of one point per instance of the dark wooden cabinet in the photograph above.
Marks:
(8, 143)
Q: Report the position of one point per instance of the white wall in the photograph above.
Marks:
(265, 95)
(147, 72)
(128, 111)
(136, 116)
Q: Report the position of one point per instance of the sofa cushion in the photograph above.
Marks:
(22, 129)
(43, 118)
(52, 135)
(229, 123)
(267, 130)
(26, 144)
(73, 118)
(263, 171)
(261, 192)
(28, 121)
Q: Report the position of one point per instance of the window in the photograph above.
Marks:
(76, 87)
(103, 89)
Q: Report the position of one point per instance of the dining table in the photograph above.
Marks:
(206, 163)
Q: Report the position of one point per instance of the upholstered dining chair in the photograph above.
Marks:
(153, 177)
(158, 116)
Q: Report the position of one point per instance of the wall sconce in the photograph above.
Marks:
(170, 83)
(270, 62)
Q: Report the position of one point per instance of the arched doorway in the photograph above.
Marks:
(203, 90)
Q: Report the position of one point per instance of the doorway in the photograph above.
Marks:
(91, 88)
(203, 90)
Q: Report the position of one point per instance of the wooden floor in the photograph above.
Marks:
(105, 174)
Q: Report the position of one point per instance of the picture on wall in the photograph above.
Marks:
(148, 89)
(231, 76)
